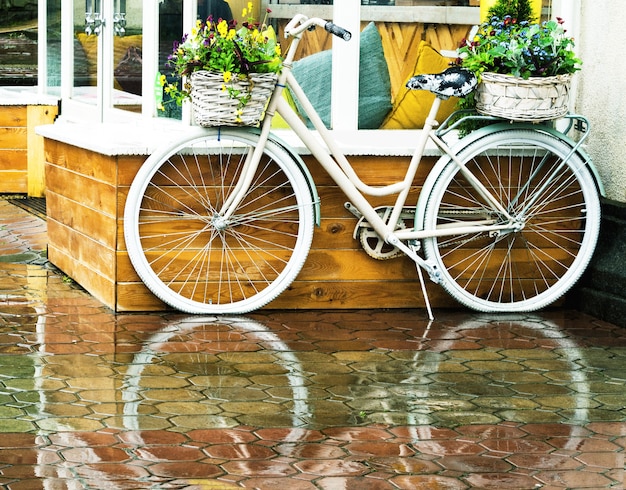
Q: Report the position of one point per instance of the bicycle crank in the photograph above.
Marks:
(371, 242)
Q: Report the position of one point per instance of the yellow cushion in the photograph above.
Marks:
(278, 122)
(411, 107)
(120, 46)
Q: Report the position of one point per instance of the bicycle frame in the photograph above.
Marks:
(337, 165)
(222, 220)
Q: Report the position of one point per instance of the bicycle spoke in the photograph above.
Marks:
(554, 208)
(199, 260)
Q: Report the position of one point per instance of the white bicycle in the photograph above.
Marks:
(222, 221)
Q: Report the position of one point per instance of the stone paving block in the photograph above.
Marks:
(367, 399)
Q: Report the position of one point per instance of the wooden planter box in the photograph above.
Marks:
(86, 193)
(21, 149)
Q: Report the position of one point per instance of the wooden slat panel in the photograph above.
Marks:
(85, 162)
(13, 181)
(13, 116)
(340, 294)
(400, 44)
(86, 252)
(13, 159)
(127, 168)
(13, 138)
(98, 285)
(80, 188)
(90, 222)
(37, 116)
(137, 297)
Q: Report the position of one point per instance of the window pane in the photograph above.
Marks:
(18, 44)
(170, 31)
(127, 54)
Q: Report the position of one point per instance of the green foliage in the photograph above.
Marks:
(520, 49)
(517, 9)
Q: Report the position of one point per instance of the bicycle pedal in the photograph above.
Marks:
(352, 208)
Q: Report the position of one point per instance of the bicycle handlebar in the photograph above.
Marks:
(301, 23)
(338, 31)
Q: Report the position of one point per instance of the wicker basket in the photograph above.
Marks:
(213, 106)
(535, 99)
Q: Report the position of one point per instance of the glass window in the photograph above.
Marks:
(127, 54)
(18, 44)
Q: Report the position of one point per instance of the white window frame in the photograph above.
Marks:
(350, 14)
(73, 109)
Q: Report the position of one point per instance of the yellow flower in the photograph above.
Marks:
(222, 28)
(160, 107)
(244, 13)
(227, 76)
(231, 34)
(162, 80)
(196, 29)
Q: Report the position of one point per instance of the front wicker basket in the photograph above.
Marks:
(517, 99)
(213, 105)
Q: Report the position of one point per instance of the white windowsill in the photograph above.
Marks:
(25, 96)
(371, 142)
(427, 14)
(144, 136)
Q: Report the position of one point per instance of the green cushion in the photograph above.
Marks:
(313, 73)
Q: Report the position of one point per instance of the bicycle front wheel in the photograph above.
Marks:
(555, 208)
(192, 256)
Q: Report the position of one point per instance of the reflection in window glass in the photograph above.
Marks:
(170, 31)
(127, 54)
(18, 43)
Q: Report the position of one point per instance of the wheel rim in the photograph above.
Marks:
(199, 261)
(543, 253)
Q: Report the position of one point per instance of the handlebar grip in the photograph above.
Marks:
(338, 31)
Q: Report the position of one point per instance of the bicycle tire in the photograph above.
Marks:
(528, 269)
(193, 259)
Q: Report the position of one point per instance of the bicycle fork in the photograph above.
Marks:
(243, 183)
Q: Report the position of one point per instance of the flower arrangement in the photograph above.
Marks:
(219, 46)
(520, 49)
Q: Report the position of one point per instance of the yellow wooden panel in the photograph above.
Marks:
(13, 138)
(13, 115)
(37, 116)
(13, 159)
(13, 181)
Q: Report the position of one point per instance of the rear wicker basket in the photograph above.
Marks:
(213, 105)
(535, 99)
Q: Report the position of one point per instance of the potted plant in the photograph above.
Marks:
(228, 72)
(524, 68)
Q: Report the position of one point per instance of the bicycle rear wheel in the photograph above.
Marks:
(554, 202)
(192, 257)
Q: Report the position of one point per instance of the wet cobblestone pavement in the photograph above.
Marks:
(299, 400)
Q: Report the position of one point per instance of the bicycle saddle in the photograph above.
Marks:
(453, 82)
